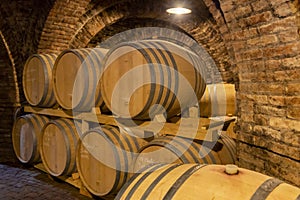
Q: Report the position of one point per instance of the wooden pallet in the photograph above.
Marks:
(190, 127)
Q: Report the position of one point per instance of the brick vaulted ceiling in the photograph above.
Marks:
(79, 24)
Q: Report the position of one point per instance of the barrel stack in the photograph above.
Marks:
(131, 83)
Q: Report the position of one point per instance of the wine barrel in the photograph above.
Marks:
(169, 149)
(57, 147)
(218, 100)
(140, 75)
(37, 80)
(104, 159)
(194, 181)
(26, 135)
(76, 73)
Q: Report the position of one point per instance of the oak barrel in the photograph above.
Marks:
(104, 159)
(218, 100)
(26, 135)
(194, 181)
(76, 73)
(57, 146)
(37, 80)
(140, 75)
(169, 149)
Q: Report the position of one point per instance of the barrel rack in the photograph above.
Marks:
(208, 129)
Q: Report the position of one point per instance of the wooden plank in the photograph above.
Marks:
(48, 111)
(98, 118)
(199, 128)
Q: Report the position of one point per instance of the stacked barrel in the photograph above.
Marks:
(135, 80)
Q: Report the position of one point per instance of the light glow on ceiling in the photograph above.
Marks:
(179, 11)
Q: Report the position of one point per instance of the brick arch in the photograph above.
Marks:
(20, 28)
(202, 28)
(9, 100)
(75, 24)
(61, 24)
(96, 20)
(131, 23)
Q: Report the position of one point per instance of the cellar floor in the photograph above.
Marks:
(20, 182)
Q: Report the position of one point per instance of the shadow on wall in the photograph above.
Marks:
(8, 101)
(20, 34)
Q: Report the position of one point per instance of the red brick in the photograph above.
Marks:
(293, 89)
(263, 40)
(290, 34)
(276, 100)
(292, 63)
(249, 55)
(260, 5)
(254, 20)
(270, 111)
(291, 49)
(238, 45)
(261, 119)
(229, 17)
(244, 34)
(293, 101)
(293, 112)
(227, 6)
(275, 3)
(282, 123)
(283, 10)
(242, 11)
(278, 26)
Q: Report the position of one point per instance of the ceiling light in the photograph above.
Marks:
(179, 11)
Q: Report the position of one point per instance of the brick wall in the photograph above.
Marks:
(264, 37)
(61, 25)
(7, 104)
(20, 27)
(76, 24)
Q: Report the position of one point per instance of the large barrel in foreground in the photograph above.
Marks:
(194, 181)
(140, 75)
(37, 80)
(104, 159)
(171, 149)
(57, 146)
(76, 75)
(26, 137)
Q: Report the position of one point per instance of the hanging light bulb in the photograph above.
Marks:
(179, 11)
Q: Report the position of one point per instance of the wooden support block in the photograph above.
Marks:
(160, 118)
(84, 126)
(83, 191)
(194, 112)
(40, 166)
(96, 110)
(75, 175)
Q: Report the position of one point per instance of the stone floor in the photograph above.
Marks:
(20, 182)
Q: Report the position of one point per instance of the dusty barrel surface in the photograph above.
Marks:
(76, 75)
(194, 181)
(104, 159)
(37, 80)
(171, 149)
(218, 100)
(26, 137)
(57, 146)
(140, 75)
